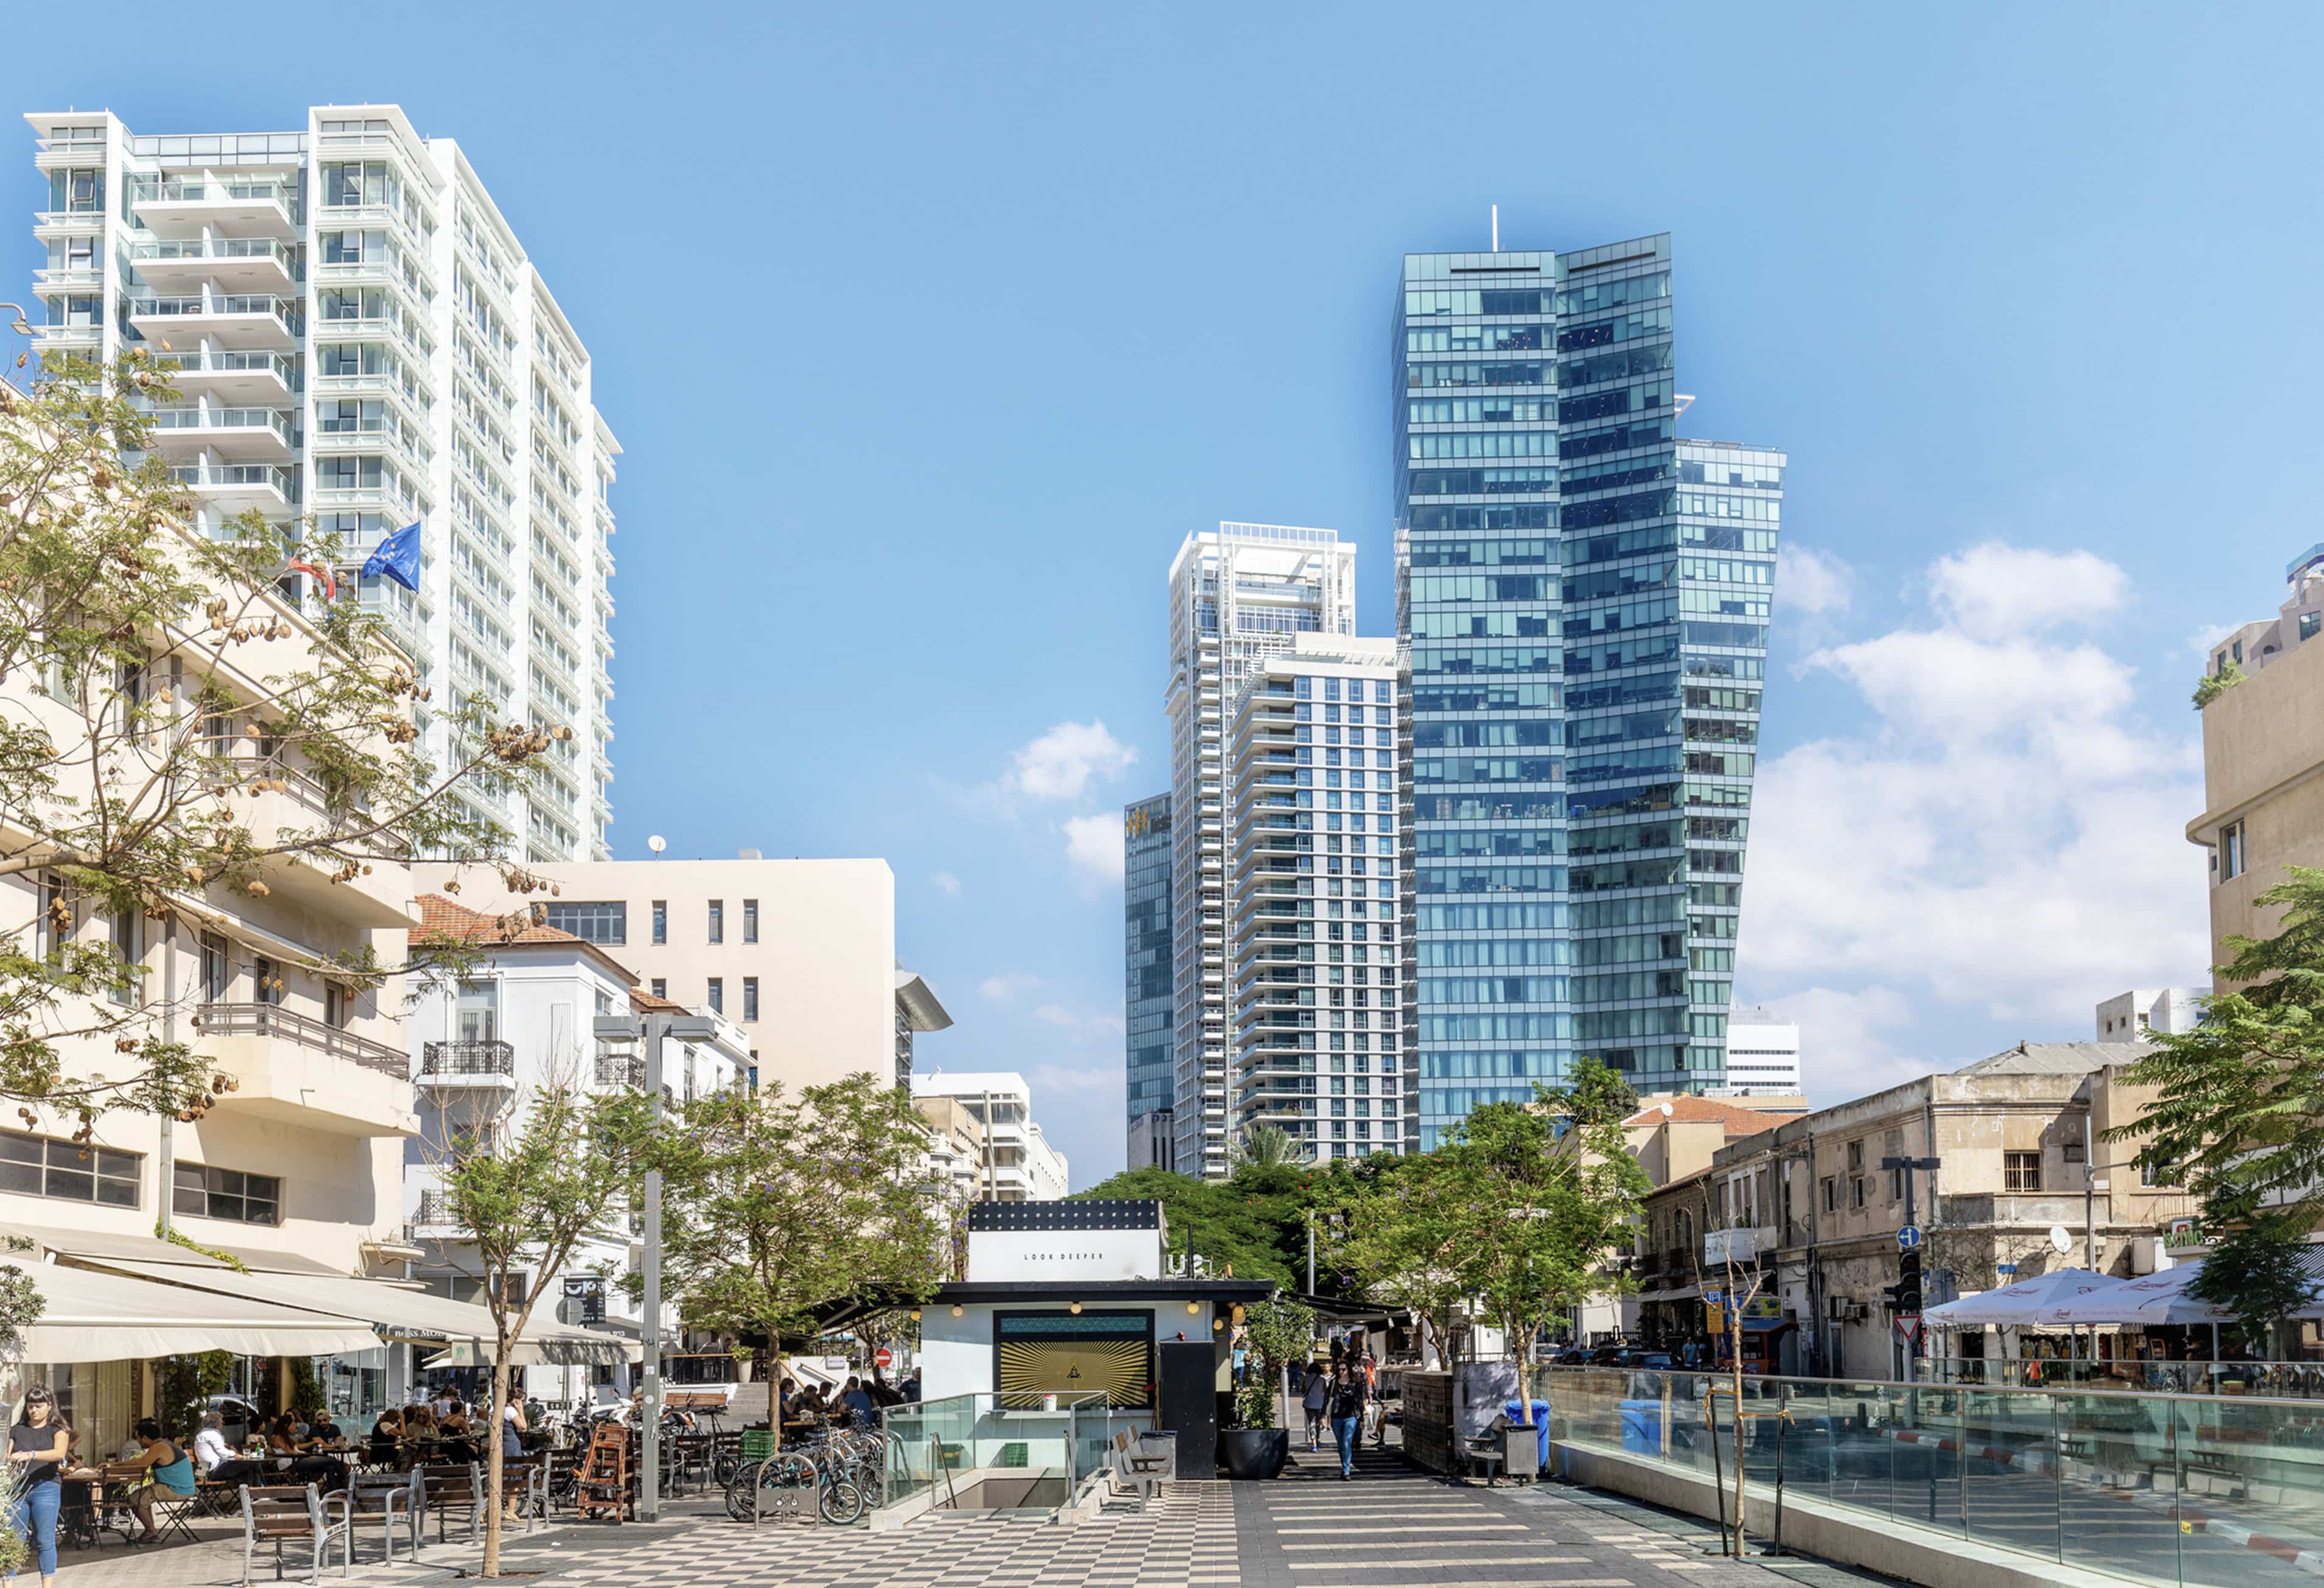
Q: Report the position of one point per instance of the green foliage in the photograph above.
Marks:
(182, 1385)
(2211, 686)
(1278, 1332)
(1255, 1221)
(1267, 1147)
(306, 1388)
(2237, 1107)
(783, 1204)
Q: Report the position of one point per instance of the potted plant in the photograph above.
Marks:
(1277, 1334)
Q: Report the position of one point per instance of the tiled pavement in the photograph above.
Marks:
(1394, 1527)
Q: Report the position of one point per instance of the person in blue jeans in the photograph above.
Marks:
(36, 1448)
(1347, 1414)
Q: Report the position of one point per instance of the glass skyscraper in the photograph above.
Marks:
(1148, 959)
(1585, 598)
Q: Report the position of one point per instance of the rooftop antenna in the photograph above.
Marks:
(1496, 229)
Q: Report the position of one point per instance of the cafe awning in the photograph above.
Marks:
(2028, 1301)
(2161, 1298)
(397, 1314)
(87, 1316)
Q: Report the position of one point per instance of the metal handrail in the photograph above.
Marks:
(2076, 1390)
(469, 1056)
(270, 1019)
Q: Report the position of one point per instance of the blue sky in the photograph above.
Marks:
(930, 331)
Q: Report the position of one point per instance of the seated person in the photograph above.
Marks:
(857, 1399)
(386, 1434)
(296, 1458)
(323, 1430)
(167, 1468)
(218, 1463)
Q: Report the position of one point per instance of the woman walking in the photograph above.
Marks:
(1348, 1399)
(1313, 1399)
(36, 1446)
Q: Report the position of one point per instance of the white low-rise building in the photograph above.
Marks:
(1019, 1165)
(2128, 1016)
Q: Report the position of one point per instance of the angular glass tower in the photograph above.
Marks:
(1148, 959)
(1585, 598)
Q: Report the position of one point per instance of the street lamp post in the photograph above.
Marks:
(649, 1032)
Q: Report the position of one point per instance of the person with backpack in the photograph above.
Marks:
(1312, 1399)
(1348, 1398)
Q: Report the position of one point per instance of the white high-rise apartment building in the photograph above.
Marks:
(360, 337)
(1238, 595)
(1762, 1056)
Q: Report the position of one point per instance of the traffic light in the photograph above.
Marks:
(1908, 1288)
(1892, 1297)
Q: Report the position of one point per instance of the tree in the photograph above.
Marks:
(526, 1187)
(1545, 1192)
(2236, 1111)
(784, 1205)
(1401, 1229)
(1278, 1333)
(1254, 1221)
(1267, 1147)
(161, 684)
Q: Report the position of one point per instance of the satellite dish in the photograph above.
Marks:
(2059, 1238)
(657, 843)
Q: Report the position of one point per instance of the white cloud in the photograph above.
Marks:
(2201, 642)
(1060, 764)
(1810, 581)
(945, 884)
(1003, 989)
(1851, 1041)
(1995, 591)
(2005, 837)
(1094, 847)
(1100, 1028)
(1051, 1078)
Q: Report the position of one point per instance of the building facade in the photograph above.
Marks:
(1585, 598)
(1762, 1056)
(1314, 958)
(1019, 1165)
(800, 955)
(358, 334)
(2127, 1017)
(1238, 595)
(1150, 1015)
(2263, 751)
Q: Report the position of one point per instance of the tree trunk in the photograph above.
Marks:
(493, 1476)
(775, 1396)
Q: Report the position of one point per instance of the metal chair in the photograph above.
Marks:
(294, 1511)
(387, 1495)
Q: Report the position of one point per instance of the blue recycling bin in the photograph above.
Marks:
(1642, 1426)
(1540, 1420)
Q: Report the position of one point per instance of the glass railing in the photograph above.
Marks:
(217, 362)
(2147, 1485)
(222, 419)
(2297, 1380)
(279, 308)
(237, 476)
(183, 190)
(971, 1452)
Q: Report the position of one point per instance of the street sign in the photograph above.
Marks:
(884, 1357)
(1908, 1323)
(2005, 1269)
(1713, 1297)
(1908, 1237)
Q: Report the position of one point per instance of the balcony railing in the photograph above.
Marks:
(268, 1019)
(231, 476)
(219, 362)
(467, 1058)
(190, 190)
(222, 419)
(194, 248)
(619, 1070)
(284, 310)
(435, 1213)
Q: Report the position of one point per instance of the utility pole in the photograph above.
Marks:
(1311, 1251)
(649, 1325)
(1908, 1257)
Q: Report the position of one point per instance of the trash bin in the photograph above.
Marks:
(1642, 1426)
(1526, 1455)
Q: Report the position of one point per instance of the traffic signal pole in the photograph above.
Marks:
(1908, 1260)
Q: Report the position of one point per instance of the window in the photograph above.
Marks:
(267, 977)
(750, 920)
(661, 988)
(201, 1192)
(2231, 851)
(1896, 1185)
(2072, 1151)
(335, 1005)
(129, 948)
(661, 920)
(42, 1166)
(718, 920)
(1855, 1156)
(1831, 1195)
(592, 921)
(2021, 1171)
(476, 1017)
(718, 995)
(1856, 1191)
(218, 968)
(749, 998)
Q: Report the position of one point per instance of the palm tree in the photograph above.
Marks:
(1267, 1147)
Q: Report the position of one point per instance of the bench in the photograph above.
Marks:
(386, 1495)
(524, 1482)
(278, 1514)
(1484, 1452)
(451, 1486)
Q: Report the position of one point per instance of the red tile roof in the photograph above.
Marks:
(443, 917)
(1739, 1120)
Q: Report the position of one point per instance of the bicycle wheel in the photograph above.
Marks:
(840, 1501)
(740, 1489)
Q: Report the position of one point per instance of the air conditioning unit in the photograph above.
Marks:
(1837, 1308)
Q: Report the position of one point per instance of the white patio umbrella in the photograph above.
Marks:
(2022, 1303)
(2162, 1298)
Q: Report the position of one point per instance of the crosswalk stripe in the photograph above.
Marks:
(1423, 1527)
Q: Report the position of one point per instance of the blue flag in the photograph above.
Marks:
(398, 557)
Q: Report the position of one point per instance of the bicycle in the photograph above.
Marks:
(793, 1475)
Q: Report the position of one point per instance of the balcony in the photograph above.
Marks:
(379, 898)
(476, 1065)
(238, 433)
(433, 1219)
(83, 279)
(232, 487)
(182, 206)
(296, 1070)
(621, 1069)
(237, 264)
(262, 378)
(230, 319)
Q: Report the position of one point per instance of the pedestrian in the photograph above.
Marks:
(37, 1444)
(1347, 1413)
(1312, 1399)
(1375, 1408)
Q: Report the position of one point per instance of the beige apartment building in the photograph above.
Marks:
(800, 954)
(1805, 1215)
(2263, 760)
